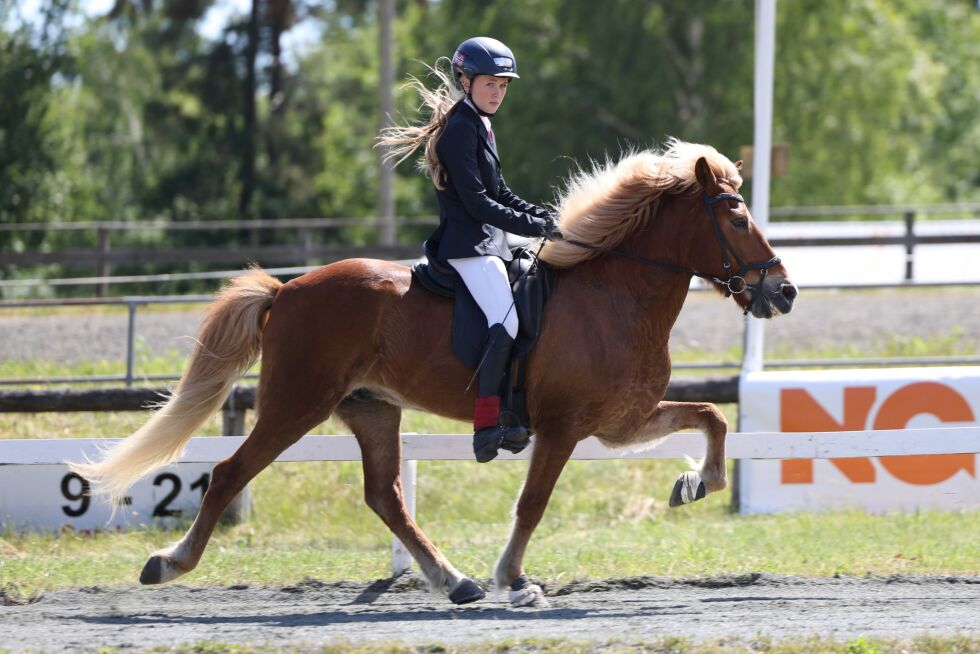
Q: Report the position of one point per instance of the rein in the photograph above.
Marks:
(735, 282)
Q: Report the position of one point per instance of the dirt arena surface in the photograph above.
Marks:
(632, 609)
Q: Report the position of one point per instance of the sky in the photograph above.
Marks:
(303, 37)
(214, 20)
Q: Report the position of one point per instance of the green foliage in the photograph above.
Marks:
(597, 79)
(137, 116)
(870, 97)
(30, 59)
(862, 646)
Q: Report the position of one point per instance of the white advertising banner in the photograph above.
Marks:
(852, 400)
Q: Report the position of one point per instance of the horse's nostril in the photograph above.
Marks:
(789, 291)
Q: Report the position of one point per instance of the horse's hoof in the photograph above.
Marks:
(688, 488)
(466, 591)
(159, 570)
(152, 571)
(524, 592)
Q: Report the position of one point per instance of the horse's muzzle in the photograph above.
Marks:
(776, 297)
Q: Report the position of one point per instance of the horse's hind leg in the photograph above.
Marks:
(272, 434)
(376, 425)
(712, 475)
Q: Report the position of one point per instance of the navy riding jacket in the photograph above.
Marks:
(476, 208)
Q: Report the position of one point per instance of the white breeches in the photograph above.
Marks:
(486, 280)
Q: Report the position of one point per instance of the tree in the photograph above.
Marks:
(29, 60)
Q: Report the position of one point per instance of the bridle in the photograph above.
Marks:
(735, 282)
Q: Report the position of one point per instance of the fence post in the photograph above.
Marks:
(130, 342)
(401, 560)
(233, 416)
(102, 267)
(909, 245)
(306, 242)
(233, 424)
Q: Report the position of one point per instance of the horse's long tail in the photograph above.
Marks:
(228, 344)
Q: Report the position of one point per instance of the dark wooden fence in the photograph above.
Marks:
(309, 250)
(240, 400)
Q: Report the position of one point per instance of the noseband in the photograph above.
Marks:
(734, 283)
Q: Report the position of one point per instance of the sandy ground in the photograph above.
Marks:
(745, 607)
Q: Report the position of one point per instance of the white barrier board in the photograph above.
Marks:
(38, 492)
(51, 497)
(854, 400)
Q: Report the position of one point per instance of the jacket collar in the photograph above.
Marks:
(464, 109)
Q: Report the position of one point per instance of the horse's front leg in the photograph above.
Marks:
(547, 461)
(712, 475)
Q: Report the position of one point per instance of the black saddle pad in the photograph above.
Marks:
(531, 282)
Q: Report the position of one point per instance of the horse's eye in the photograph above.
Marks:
(740, 223)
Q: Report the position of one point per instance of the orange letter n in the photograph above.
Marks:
(800, 412)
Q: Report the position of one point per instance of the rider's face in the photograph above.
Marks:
(488, 92)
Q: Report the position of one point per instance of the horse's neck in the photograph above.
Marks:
(646, 298)
(639, 297)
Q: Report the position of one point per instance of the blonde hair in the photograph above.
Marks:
(400, 141)
(604, 205)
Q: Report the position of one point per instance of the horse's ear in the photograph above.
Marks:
(738, 165)
(706, 178)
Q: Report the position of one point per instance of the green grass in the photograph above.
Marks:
(958, 342)
(170, 363)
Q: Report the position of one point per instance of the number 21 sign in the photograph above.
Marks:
(51, 497)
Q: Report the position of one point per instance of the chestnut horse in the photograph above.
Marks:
(361, 340)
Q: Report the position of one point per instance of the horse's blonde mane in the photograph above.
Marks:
(602, 206)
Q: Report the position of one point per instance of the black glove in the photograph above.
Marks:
(553, 230)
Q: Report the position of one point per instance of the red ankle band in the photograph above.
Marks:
(486, 411)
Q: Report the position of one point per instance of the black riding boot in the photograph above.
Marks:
(489, 435)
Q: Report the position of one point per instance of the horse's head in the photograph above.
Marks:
(743, 265)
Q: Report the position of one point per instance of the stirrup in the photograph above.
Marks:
(516, 444)
(487, 441)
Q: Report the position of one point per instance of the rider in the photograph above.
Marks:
(476, 208)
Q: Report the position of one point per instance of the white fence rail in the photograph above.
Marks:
(457, 447)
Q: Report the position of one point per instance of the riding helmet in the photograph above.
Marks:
(483, 55)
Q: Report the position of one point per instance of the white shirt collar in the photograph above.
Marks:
(486, 121)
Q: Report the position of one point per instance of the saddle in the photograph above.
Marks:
(531, 283)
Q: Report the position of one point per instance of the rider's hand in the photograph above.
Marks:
(553, 230)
